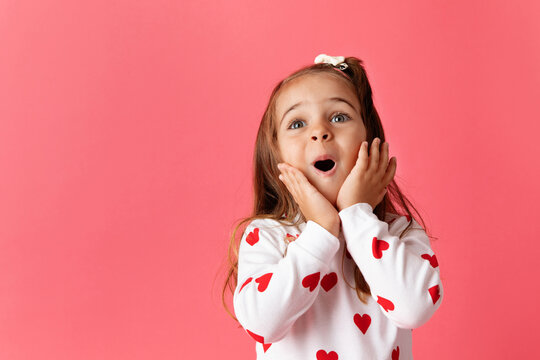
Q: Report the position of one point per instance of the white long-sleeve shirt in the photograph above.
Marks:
(293, 300)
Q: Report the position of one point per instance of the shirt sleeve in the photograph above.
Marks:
(275, 287)
(402, 273)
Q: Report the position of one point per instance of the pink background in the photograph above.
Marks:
(127, 131)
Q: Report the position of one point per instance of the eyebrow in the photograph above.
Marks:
(334, 99)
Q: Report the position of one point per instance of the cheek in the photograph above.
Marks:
(291, 153)
(281, 146)
(352, 155)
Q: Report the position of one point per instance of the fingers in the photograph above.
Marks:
(363, 160)
(378, 157)
(294, 180)
(374, 154)
(384, 158)
(287, 178)
(390, 171)
(378, 161)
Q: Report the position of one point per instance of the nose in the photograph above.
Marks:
(321, 133)
(323, 137)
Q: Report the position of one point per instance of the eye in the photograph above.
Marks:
(294, 124)
(343, 116)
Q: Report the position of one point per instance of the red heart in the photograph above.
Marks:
(362, 321)
(257, 338)
(395, 354)
(263, 281)
(290, 238)
(432, 260)
(323, 355)
(378, 246)
(260, 339)
(245, 283)
(385, 303)
(328, 281)
(253, 237)
(434, 292)
(311, 281)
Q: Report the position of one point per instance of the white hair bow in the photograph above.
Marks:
(337, 61)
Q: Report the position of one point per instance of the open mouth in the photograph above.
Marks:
(325, 165)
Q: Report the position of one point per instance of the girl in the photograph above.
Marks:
(327, 267)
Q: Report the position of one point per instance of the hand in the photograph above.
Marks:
(368, 178)
(312, 203)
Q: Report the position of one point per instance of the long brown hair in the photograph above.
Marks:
(271, 198)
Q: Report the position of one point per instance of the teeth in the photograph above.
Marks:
(325, 165)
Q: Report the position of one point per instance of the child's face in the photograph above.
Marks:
(320, 127)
